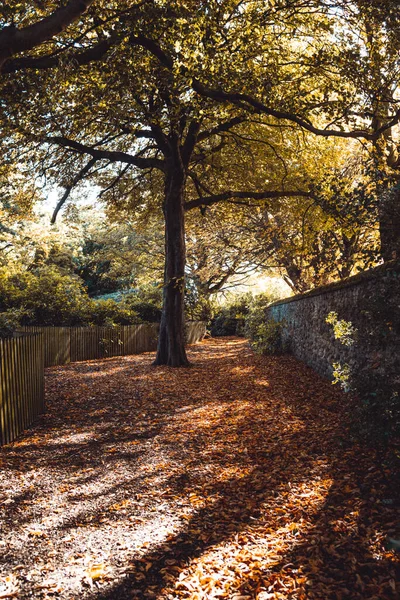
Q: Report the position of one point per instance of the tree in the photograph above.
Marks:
(24, 26)
(176, 123)
(160, 106)
(312, 241)
(368, 37)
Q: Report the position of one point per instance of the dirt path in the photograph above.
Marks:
(235, 478)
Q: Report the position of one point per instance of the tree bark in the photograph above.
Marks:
(171, 342)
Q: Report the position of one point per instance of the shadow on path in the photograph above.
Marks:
(236, 476)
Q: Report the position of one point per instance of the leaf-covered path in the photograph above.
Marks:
(234, 478)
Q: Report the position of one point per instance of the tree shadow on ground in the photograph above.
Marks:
(332, 559)
(243, 449)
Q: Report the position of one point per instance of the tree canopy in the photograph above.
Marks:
(180, 106)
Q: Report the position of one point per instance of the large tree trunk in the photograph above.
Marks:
(171, 342)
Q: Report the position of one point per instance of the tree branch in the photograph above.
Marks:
(69, 188)
(153, 48)
(247, 102)
(138, 133)
(115, 181)
(203, 135)
(190, 142)
(13, 40)
(95, 53)
(5, 229)
(111, 155)
(229, 195)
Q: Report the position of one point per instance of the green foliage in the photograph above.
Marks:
(198, 308)
(150, 293)
(104, 262)
(146, 302)
(44, 297)
(145, 311)
(267, 338)
(342, 375)
(109, 312)
(342, 330)
(223, 324)
(9, 322)
(49, 296)
(265, 335)
(257, 315)
(345, 332)
(230, 319)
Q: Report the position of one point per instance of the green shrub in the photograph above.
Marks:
(48, 296)
(223, 324)
(44, 297)
(150, 293)
(267, 338)
(265, 334)
(145, 303)
(230, 319)
(145, 311)
(9, 322)
(200, 309)
(256, 315)
(109, 312)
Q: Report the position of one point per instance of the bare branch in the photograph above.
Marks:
(111, 155)
(82, 173)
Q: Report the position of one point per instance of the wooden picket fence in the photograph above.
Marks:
(63, 345)
(21, 384)
(24, 357)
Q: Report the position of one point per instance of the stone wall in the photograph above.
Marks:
(370, 301)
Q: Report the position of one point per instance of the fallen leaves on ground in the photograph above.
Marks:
(235, 478)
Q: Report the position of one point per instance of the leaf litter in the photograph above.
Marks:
(235, 478)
